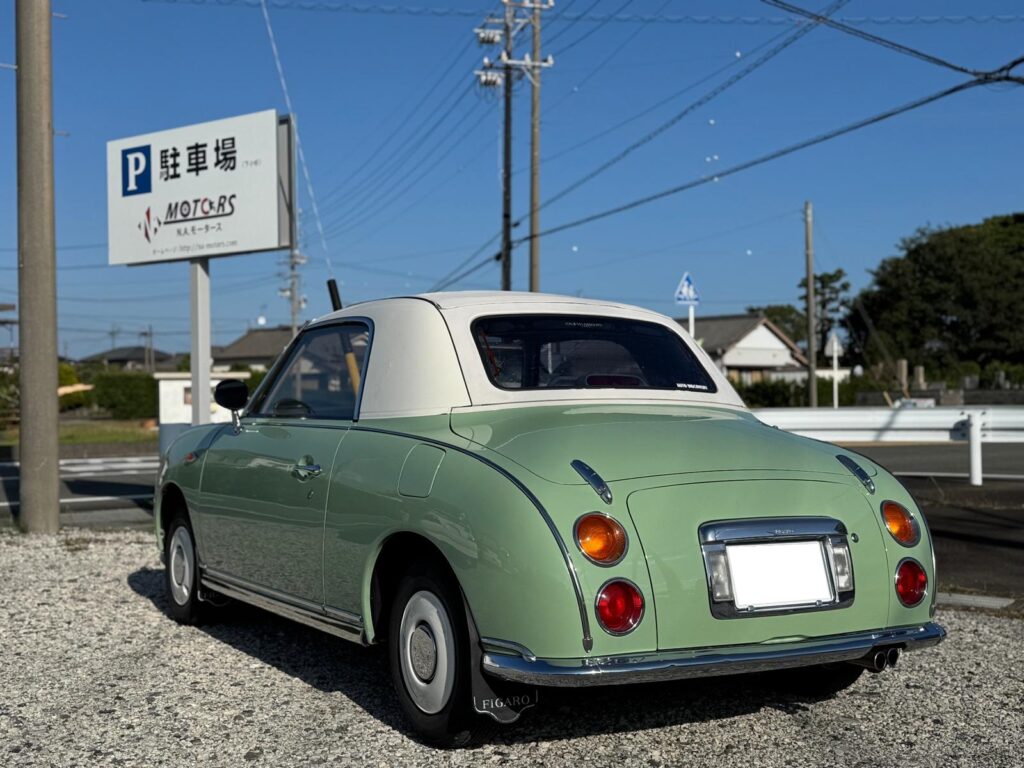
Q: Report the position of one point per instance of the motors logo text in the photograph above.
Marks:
(199, 208)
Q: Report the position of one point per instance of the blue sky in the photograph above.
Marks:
(125, 67)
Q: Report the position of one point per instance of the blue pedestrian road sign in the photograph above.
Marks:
(686, 293)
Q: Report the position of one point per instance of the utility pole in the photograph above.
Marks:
(535, 146)
(506, 163)
(39, 511)
(295, 258)
(812, 330)
(148, 358)
(114, 332)
(511, 24)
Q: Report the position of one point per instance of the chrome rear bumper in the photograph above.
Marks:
(705, 662)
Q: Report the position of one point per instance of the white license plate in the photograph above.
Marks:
(781, 574)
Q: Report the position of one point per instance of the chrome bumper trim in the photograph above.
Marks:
(706, 662)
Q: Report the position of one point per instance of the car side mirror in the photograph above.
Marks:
(232, 394)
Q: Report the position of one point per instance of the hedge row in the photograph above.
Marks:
(126, 395)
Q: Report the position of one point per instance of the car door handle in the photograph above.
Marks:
(306, 471)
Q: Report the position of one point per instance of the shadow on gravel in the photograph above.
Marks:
(361, 674)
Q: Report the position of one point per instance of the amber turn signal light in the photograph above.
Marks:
(900, 523)
(601, 538)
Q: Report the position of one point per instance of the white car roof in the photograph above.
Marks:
(424, 360)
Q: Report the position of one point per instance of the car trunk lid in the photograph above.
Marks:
(668, 521)
(622, 442)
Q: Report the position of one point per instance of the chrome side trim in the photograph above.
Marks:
(593, 479)
(588, 640)
(340, 623)
(707, 662)
(857, 470)
(506, 647)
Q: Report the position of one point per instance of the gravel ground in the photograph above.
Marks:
(94, 672)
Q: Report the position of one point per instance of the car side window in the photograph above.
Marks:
(321, 378)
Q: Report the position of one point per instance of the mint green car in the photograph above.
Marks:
(514, 491)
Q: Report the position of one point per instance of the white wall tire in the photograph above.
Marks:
(428, 654)
(181, 572)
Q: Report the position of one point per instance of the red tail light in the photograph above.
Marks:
(620, 606)
(911, 583)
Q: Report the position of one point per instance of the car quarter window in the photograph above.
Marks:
(321, 377)
(522, 352)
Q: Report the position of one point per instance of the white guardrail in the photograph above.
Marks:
(972, 424)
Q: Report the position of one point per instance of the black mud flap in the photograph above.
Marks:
(503, 701)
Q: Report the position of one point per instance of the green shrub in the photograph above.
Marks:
(126, 395)
(10, 401)
(255, 379)
(67, 375)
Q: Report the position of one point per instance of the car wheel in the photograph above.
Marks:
(428, 654)
(181, 574)
(822, 681)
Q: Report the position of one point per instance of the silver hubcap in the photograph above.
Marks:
(427, 649)
(182, 557)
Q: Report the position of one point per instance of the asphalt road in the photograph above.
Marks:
(96, 673)
(943, 459)
(91, 485)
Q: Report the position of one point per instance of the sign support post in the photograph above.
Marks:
(200, 362)
(686, 294)
(834, 349)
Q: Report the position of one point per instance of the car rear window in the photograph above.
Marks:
(585, 352)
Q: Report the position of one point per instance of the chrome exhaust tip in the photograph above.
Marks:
(892, 656)
(875, 661)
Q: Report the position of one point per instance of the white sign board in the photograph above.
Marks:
(209, 189)
(686, 293)
(832, 347)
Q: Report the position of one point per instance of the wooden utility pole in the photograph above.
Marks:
(506, 168)
(535, 153)
(812, 330)
(39, 473)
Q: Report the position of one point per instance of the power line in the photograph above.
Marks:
(298, 141)
(376, 209)
(875, 39)
(819, 139)
(594, 29)
(759, 62)
(365, 9)
(452, 275)
(403, 123)
(399, 161)
(691, 241)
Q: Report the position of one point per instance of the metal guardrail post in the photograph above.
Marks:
(974, 443)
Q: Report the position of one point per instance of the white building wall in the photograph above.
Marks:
(759, 349)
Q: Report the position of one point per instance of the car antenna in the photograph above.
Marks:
(332, 288)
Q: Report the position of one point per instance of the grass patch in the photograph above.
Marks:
(89, 432)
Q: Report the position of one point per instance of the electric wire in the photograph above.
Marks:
(593, 30)
(373, 9)
(376, 202)
(298, 141)
(721, 88)
(775, 155)
(875, 39)
(784, 39)
(405, 122)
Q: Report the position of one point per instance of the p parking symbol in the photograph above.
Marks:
(136, 171)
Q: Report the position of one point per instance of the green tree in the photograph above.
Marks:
(830, 289)
(788, 318)
(953, 295)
